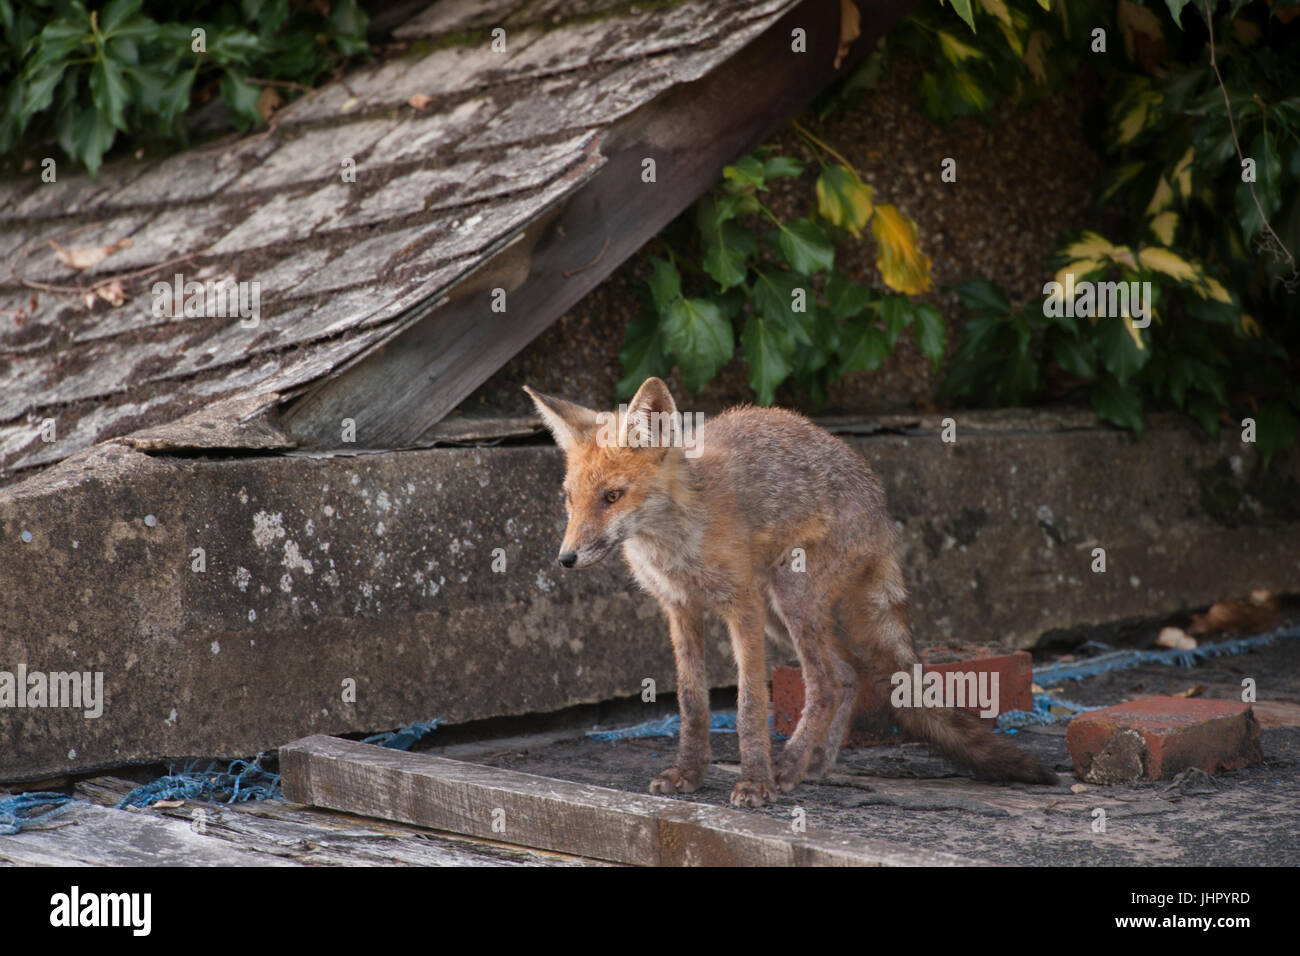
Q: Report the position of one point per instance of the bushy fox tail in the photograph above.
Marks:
(963, 738)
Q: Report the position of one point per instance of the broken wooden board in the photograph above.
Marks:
(690, 130)
(565, 817)
(345, 263)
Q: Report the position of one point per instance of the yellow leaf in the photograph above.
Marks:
(1079, 268)
(955, 50)
(996, 8)
(1161, 198)
(1166, 262)
(1250, 327)
(1164, 226)
(1134, 20)
(843, 198)
(1133, 331)
(1133, 121)
(1090, 246)
(1182, 174)
(1013, 39)
(1216, 290)
(902, 265)
(1045, 4)
(1036, 55)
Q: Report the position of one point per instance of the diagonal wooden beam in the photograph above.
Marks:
(408, 384)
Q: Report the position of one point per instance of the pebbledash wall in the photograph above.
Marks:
(232, 605)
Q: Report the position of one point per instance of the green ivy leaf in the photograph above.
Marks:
(1176, 10)
(1076, 357)
(847, 298)
(766, 358)
(728, 246)
(896, 311)
(863, 347)
(92, 135)
(699, 337)
(806, 246)
(1119, 353)
(176, 95)
(1117, 404)
(962, 7)
(108, 91)
(665, 285)
(241, 97)
(982, 298)
(116, 13)
(774, 297)
(1275, 429)
(779, 166)
(746, 171)
(641, 356)
(930, 331)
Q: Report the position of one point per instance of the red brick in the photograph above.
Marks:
(873, 719)
(1155, 738)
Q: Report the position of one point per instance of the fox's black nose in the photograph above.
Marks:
(569, 558)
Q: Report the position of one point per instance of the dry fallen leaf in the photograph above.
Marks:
(1261, 612)
(1078, 788)
(268, 101)
(850, 29)
(420, 100)
(85, 258)
(111, 292)
(1196, 691)
(167, 804)
(1176, 638)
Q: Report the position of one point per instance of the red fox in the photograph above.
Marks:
(710, 521)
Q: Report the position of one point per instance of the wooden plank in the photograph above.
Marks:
(90, 835)
(566, 817)
(310, 837)
(401, 389)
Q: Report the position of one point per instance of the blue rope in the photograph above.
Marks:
(722, 723)
(1121, 660)
(403, 739)
(243, 780)
(15, 811)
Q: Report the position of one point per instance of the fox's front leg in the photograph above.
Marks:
(745, 622)
(686, 627)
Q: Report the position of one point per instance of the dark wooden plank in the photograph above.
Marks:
(401, 389)
(557, 815)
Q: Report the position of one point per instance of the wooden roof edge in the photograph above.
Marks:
(397, 392)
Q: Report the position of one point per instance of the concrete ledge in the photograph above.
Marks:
(376, 571)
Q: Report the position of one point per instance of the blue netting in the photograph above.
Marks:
(24, 809)
(242, 780)
(1014, 720)
(404, 738)
(722, 723)
(1119, 660)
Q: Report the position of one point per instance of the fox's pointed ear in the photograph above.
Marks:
(569, 423)
(651, 417)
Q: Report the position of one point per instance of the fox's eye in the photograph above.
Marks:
(612, 496)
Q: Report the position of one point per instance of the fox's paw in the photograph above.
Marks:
(752, 793)
(676, 780)
(791, 768)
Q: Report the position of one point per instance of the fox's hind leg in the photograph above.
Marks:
(804, 609)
